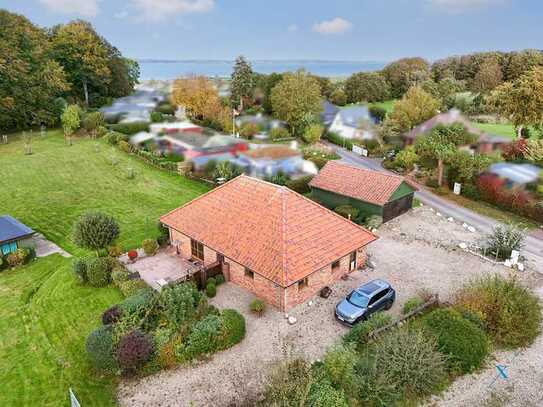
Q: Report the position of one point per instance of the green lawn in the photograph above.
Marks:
(49, 189)
(507, 130)
(387, 105)
(45, 315)
(44, 318)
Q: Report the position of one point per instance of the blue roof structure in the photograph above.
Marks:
(11, 229)
(352, 116)
(329, 112)
(517, 173)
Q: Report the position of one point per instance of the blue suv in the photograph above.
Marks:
(365, 300)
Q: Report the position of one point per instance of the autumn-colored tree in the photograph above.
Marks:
(488, 77)
(415, 107)
(29, 80)
(295, 99)
(519, 62)
(195, 93)
(242, 83)
(520, 101)
(534, 151)
(441, 144)
(405, 73)
(83, 54)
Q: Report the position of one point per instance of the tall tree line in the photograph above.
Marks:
(43, 69)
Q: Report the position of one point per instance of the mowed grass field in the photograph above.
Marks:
(506, 130)
(51, 188)
(45, 315)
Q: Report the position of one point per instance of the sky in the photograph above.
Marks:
(347, 30)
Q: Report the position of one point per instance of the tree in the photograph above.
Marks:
(518, 63)
(488, 77)
(442, 143)
(367, 87)
(444, 90)
(464, 167)
(30, 80)
(242, 85)
(92, 121)
(70, 120)
(195, 93)
(313, 133)
(263, 87)
(415, 107)
(83, 54)
(404, 73)
(520, 101)
(296, 97)
(338, 96)
(95, 231)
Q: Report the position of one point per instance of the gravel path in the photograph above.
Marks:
(417, 251)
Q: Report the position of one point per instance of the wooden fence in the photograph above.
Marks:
(434, 300)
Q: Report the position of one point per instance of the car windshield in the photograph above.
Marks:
(358, 299)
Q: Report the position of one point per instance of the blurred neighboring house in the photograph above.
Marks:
(141, 138)
(193, 144)
(486, 143)
(175, 127)
(516, 175)
(269, 161)
(263, 122)
(353, 122)
(133, 108)
(329, 112)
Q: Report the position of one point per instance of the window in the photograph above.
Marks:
(220, 258)
(197, 249)
(249, 273)
(352, 261)
(303, 283)
(377, 297)
(335, 266)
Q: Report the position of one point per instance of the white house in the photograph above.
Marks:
(353, 122)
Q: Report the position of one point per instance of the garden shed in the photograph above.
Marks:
(13, 234)
(371, 192)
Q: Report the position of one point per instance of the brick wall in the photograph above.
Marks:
(210, 256)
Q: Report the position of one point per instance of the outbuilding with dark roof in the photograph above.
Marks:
(13, 234)
(371, 192)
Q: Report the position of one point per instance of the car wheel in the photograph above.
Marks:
(389, 305)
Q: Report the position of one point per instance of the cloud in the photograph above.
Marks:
(461, 6)
(335, 26)
(156, 10)
(292, 28)
(87, 8)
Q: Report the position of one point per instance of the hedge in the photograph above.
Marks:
(335, 138)
(130, 128)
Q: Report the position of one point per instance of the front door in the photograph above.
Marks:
(352, 261)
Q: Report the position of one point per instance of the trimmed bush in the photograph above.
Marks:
(313, 133)
(232, 329)
(411, 304)
(211, 290)
(410, 360)
(111, 315)
(95, 231)
(130, 128)
(134, 350)
(150, 246)
(359, 333)
(79, 267)
(257, 306)
(278, 133)
(131, 287)
(336, 139)
(98, 271)
(125, 146)
(511, 313)
(212, 280)
(119, 275)
(220, 279)
(300, 185)
(464, 343)
(203, 336)
(114, 251)
(100, 349)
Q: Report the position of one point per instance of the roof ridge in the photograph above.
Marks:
(337, 162)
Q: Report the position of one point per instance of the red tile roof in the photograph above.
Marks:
(365, 185)
(270, 229)
(273, 153)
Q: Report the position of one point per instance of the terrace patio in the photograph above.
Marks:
(164, 268)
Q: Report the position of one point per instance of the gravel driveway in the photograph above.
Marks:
(417, 251)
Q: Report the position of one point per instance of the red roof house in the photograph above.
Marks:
(271, 240)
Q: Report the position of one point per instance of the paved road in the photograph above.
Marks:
(533, 245)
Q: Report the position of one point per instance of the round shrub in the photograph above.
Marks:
(212, 280)
(220, 279)
(133, 351)
(464, 344)
(257, 306)
(411, 304)
(99, 347)
(111, 315)
(211, 290)
(410, 359)
(150, 246)
(79, 267)
(248, 130)
(278, 133)
(119, 275)
(131, 287)
(98, 271)
(114, 251)
(203, 336)
(232, 329)
(511, 313)
(95, 231)
(323, 394)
